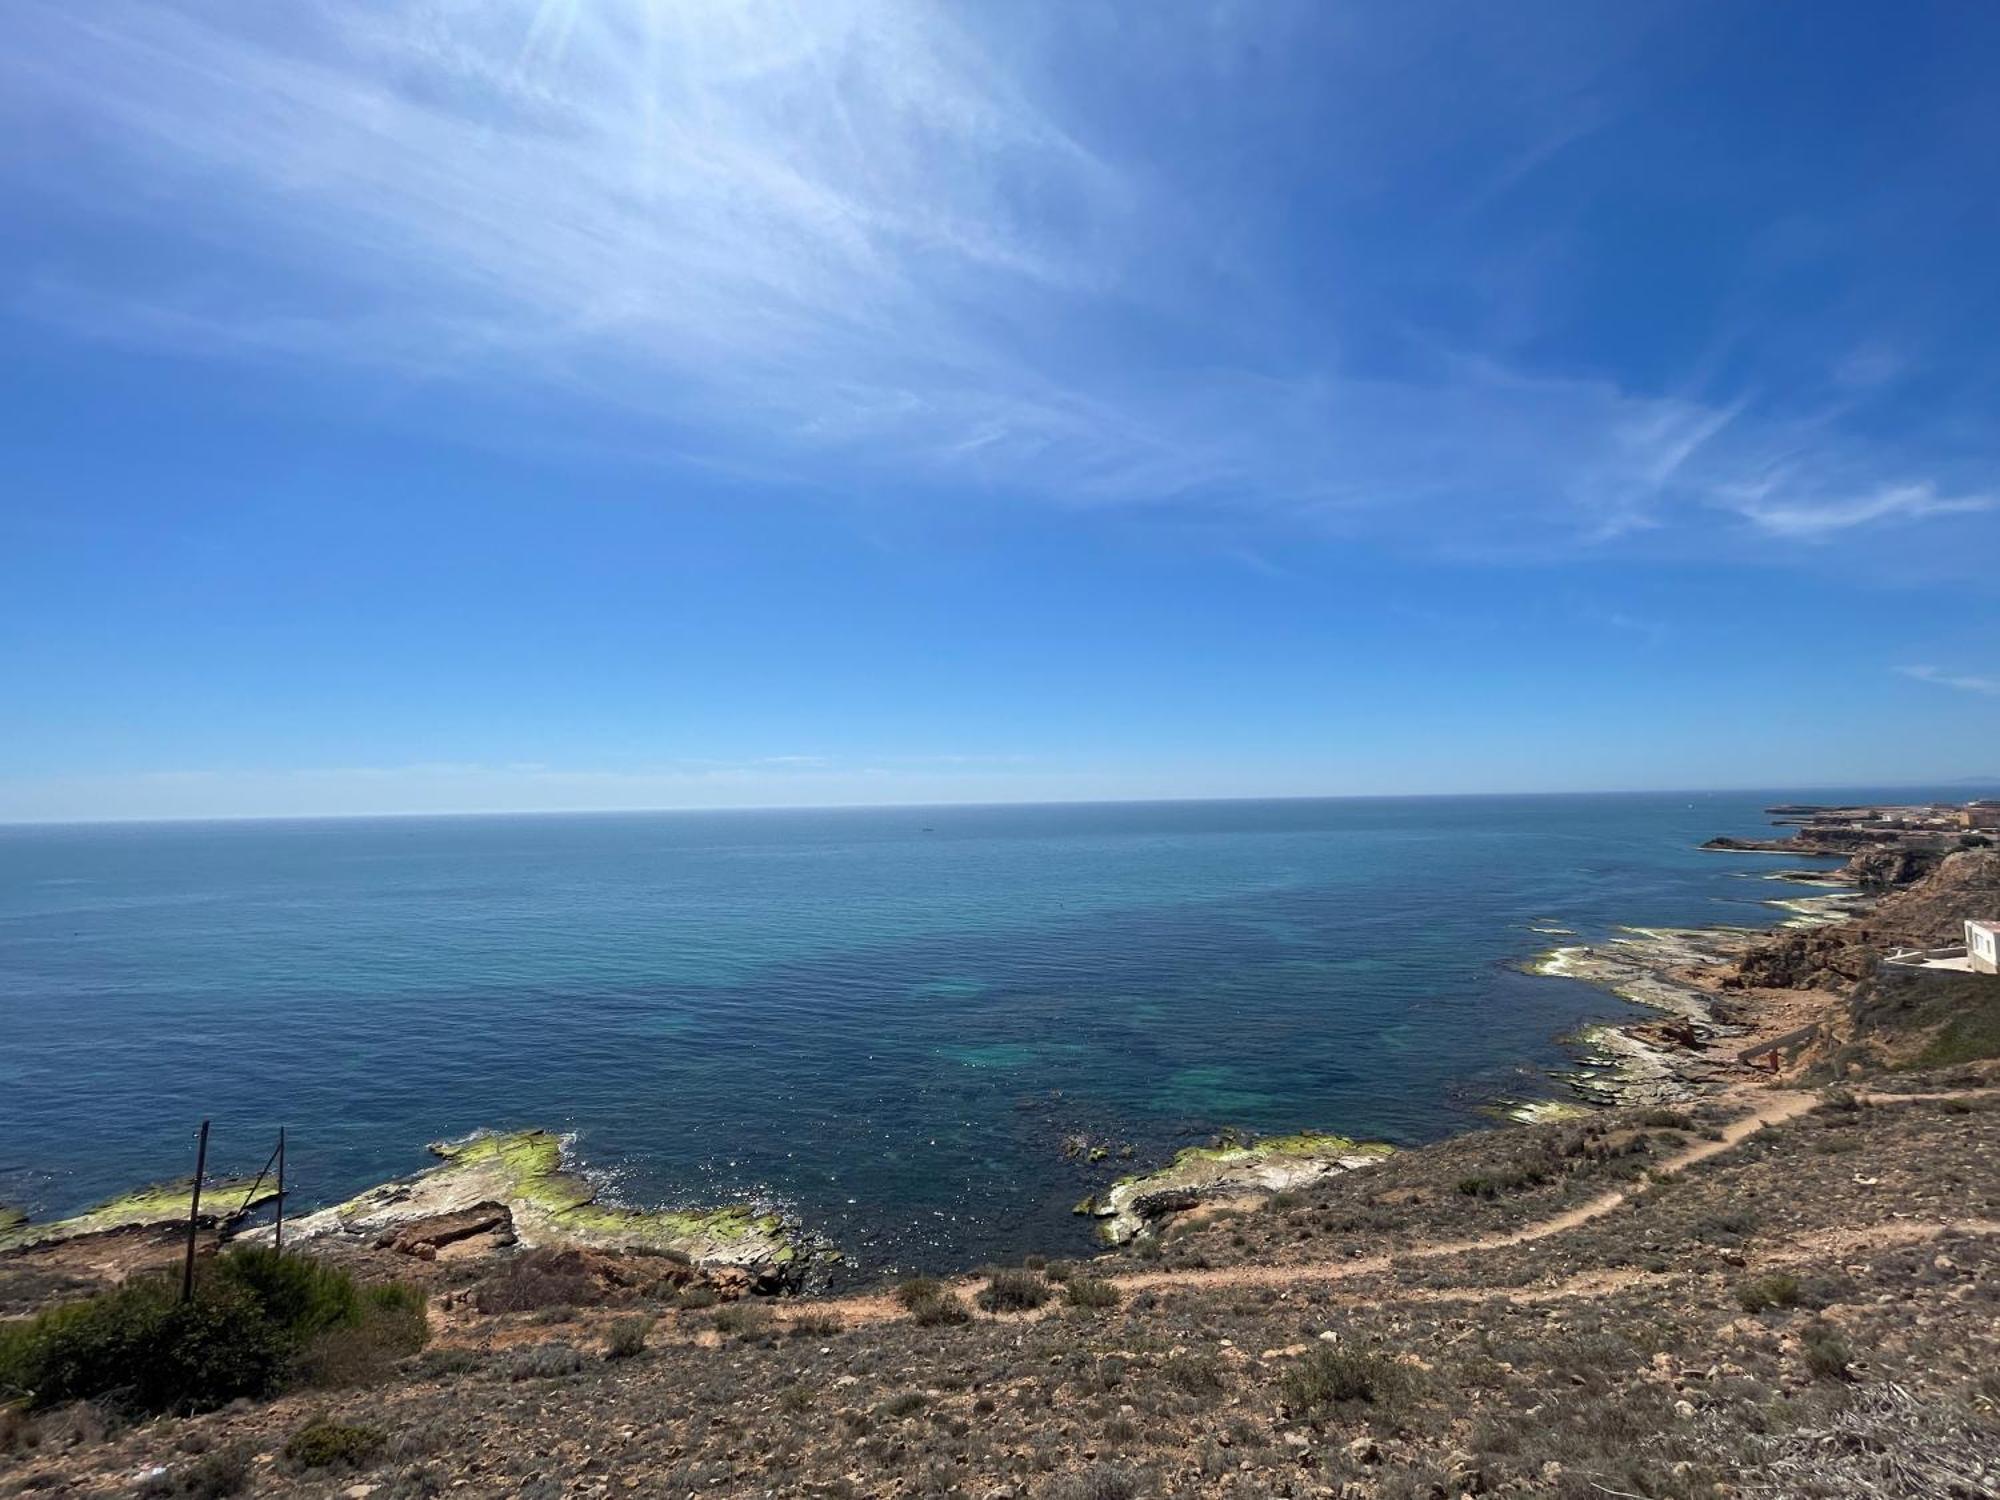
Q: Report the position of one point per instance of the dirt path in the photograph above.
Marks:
(1768, 1109)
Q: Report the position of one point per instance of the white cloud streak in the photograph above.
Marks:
(1965, 683)
(822, 231)
(1813, 519)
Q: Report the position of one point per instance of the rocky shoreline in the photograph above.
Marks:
(1714, 997)
(1719, 994)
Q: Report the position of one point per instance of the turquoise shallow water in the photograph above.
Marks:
(887, 1021)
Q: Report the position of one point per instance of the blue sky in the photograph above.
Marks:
(462, 404)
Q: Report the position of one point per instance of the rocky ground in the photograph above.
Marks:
(1570, 1309)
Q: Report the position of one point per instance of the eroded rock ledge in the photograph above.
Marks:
(1134, 1205)
(495, 1190)
(161, 1206)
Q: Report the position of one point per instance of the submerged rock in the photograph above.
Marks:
(160, 1206)
(515, 1184)
(1199, 1174)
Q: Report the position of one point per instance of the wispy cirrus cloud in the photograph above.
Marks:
(1774, 509)
(832, 233)
(1961, 681)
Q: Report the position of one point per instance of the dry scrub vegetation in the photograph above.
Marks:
(1776, 1320)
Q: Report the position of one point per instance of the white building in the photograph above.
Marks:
(1982, 947)
(1978, 954)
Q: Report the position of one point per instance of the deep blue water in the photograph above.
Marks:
(885, 1020)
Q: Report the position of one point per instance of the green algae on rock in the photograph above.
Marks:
(159, 1206)
(523, 1172)
(1275, 1164)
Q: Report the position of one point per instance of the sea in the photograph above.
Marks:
(909, 1028)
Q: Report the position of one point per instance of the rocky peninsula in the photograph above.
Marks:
(1728, 998)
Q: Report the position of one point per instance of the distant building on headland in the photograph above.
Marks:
(1984, 813)
(1978, 954)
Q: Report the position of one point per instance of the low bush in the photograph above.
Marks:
(1775, 1290)
(1196, 1374)
(628, 1337)
(1826, 1354)
(919, 1289)
(1503, 1180)
(544, 1362)
(1665, 1119)
(1329, 1376)
(906, 1405)
(389, 1325)
(1014, 1291)
(941, 1311)
(251, 1329)
(695, 1298)
(1090, 1291)
(548, 1277)
(325, 1444)
(745, 1319)
(814, 1326)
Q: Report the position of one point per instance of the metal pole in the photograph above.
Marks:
(278, 1239)
(194, 1213)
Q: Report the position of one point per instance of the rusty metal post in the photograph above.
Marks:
(194, 1213)
(278, 1237)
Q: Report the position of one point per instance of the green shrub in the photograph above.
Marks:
(628, 1337)
(919, 1289)
(941, 1311)
(1014, 1291)
(1826, 1354)
(324, 1444)
(1090, 1291)
(1775, 1290)
(905, 1405)
(746, 1319)
(695, 1298)
(544, 1362)
(248, 1331)
(141, 1347)
(1330, 1376)
(1197, 1374)
(389, 1325)
(296, 1292)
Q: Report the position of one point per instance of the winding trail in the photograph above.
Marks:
(1768, 1109)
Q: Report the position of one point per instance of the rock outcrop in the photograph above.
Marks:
(1886, 869)
(162, 1206)
(1930, 912)
(1202, 1174)
(515, 1188)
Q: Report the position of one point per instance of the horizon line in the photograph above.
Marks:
(1967, 783)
